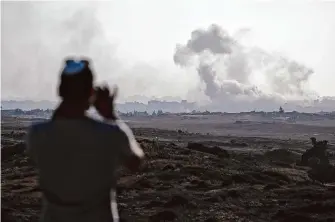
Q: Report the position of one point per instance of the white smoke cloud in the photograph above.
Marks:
(226, 67)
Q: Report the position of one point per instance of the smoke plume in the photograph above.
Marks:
(226, 67)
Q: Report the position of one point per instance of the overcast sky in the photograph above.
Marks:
(132, 42)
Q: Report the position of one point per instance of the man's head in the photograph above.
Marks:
(76, 83)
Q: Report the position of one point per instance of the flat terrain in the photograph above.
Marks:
(241, 126)
(198, 168)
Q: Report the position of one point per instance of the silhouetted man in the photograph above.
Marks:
(77, 156)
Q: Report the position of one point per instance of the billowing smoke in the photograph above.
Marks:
(285, 76)
(226, 67)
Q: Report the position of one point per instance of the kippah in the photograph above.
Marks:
(73, 67)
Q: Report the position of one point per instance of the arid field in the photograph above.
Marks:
(198, 168)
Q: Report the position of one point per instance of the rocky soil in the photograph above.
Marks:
(191, 177)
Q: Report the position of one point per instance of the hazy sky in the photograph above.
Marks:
(132, 42)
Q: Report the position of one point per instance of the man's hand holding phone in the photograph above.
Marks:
(104, 102)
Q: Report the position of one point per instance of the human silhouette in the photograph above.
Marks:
(77, 156)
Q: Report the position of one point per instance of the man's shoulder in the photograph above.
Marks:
(38, 127)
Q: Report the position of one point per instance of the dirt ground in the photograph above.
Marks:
(197, 169)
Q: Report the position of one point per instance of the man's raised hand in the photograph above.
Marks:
(105, 102)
